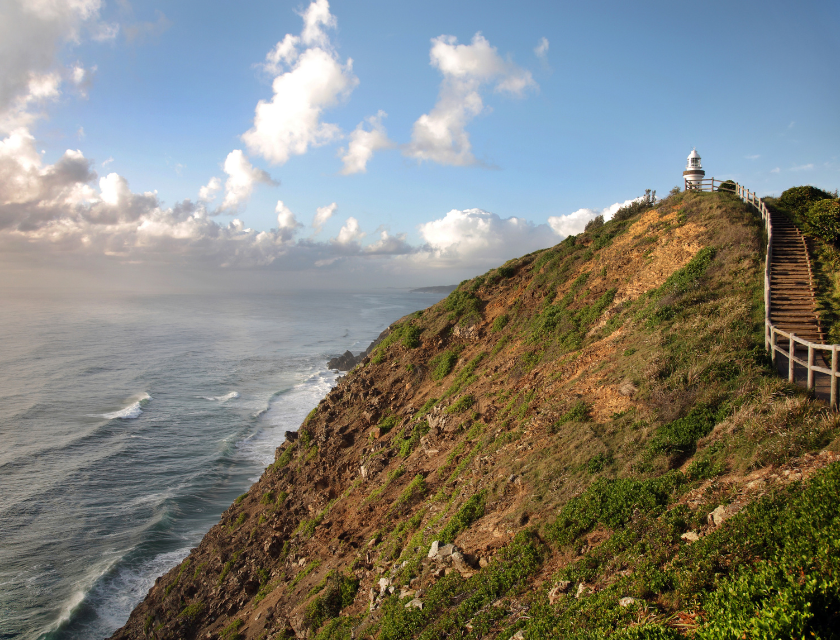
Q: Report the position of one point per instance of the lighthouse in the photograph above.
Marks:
(693, 173)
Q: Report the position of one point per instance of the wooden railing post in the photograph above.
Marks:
(833, 376)
(773, 345)
(791, 349)
(810, 366)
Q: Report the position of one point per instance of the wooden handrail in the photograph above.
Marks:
(771, 331)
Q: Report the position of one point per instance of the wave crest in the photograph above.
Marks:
(130, 412)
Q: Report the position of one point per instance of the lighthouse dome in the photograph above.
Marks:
(693, 160)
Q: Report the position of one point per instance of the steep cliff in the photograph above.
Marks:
(585, 441)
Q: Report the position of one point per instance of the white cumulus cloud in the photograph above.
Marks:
(478, 237)
(242, 176)
(575, 222)
(322, 214)
(287, 223)
(363, 144)
(208, 192)
(32, 35)
(307, 82)
(350, 232)
(441, 135)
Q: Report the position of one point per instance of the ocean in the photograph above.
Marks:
(129, 424)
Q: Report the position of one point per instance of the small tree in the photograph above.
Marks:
(595, 223)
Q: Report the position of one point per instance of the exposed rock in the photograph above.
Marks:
(459, 563)
(438, 552)
(627, 601)
(347, 361)
(690, 536)
(344, 362)
(557, 590)
(582, 590)
(416, 604)
(384, 583)
(717, 516)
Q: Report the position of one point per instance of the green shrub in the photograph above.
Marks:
(442, 364)
(681, 435)
(506, 272)
(597, 462)
(406, 445)
(431, 402)
(463, 403)
(387, 423)
(578, 413)
(798, 200)
(472, 510)
(500, 322)
(463, 304)
(411, 337)
(596, 223)
(728, 185)
(417, 487)
(231, 632)
(612, 503)
(823, 220)
(285, 457)
(780, 563)
(465, 376)
(192, 611)
(338, 592)
(639, 205)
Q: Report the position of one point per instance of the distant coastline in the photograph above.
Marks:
(445, 288)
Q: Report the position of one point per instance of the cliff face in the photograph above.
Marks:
(536, 455)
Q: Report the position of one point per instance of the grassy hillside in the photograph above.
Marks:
(597, 429)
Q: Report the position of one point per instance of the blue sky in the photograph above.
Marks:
(478, 130)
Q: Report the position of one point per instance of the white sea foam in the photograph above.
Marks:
(228, 396)
(85, 585)
(286, 412)
(130, 412)
(115, 598)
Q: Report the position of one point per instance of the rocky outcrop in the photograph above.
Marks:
(347, 361)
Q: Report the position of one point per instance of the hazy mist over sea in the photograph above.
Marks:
(130, 422)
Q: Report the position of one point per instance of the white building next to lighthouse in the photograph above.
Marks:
(693, 173)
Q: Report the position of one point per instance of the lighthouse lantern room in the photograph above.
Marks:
(693, 173)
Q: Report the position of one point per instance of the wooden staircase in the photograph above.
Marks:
(793, 305)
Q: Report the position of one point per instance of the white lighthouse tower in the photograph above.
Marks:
(693, 173)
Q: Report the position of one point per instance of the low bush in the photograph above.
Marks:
(472, 510)
(823, 220)
(612, 503)
(638, 205)
(464, 305)
(578, 413)
(797, 200)
(338, 592)
(461, 405)
(442, 364)
(681, 435)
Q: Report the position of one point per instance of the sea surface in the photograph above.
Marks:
(128, 424)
